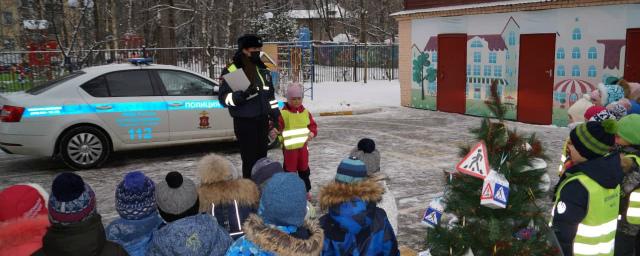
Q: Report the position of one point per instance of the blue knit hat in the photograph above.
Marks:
(351, 170)
(135, 196)
(284, 200)
(71, 199)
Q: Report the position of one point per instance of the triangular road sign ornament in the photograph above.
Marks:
(476, 163)
(487, 193)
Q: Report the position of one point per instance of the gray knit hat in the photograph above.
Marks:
(176, 197)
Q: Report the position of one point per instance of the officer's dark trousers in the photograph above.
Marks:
(252, 136)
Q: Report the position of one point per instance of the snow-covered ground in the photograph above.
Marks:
(332, 96)
(416, 146)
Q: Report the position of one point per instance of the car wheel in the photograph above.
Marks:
(84, 147)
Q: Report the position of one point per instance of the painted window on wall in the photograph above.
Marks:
(500, 90)
(577, 34)
(476, 44)
(468, 70)
(493, 57)
(575, 54)
(560, 70)
(497, 71)
(574, 97)
(592, 71)
(560, 53)
(512, 38)
(476, 91)
(487, 70)
(477, 57)
(593, 53)
(508, 55)
(575, 71)
(434, 57)
(476, 70)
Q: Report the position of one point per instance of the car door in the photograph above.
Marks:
(130, 105)
(194, 109)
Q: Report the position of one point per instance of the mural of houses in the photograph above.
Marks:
(584, 43)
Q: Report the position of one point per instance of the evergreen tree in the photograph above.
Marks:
(277, 28)
(520, 228)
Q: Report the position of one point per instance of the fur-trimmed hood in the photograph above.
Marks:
(244, 191)
(214, 168)
(276, 241)
(336, 193)
(22, 236)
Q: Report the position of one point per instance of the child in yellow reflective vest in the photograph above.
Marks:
(628, 138)
(297, 128)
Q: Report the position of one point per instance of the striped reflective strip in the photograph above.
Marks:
(633, 212)
(235, 203)
(229, 100)
(293, 141)
(296, 132)
(597, 231)
(266, 88)
(593, 249)
(635, 197)
(274, 106)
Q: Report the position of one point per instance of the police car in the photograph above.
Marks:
(85, 115)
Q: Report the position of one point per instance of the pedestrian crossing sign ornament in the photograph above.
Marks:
(495, 191)
(433, 214)
(476, 163)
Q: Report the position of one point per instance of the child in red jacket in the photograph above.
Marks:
(297, 128)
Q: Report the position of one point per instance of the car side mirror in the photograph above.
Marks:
(216, 89)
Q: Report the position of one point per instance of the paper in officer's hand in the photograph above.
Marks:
(237, 80)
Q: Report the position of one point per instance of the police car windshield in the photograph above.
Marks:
(45, 86)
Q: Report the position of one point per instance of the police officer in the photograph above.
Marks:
(252, 108)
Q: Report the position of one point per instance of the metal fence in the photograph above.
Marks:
(312, 62)
(25, 69)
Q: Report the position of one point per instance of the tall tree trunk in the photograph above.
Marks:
(98, 20)
(168, 34)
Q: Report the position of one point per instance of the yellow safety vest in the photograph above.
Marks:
(296, 129)
(633, 210)
(597, 231)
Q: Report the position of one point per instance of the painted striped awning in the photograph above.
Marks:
(571, 86)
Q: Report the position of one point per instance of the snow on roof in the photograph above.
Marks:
(335, 12)
(467, 6)
(35, 24)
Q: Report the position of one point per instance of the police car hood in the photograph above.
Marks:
(607, 171)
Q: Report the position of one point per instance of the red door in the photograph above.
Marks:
(632, 56)
(452, 77)
(535, 82)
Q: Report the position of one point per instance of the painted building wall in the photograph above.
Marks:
(589, 48)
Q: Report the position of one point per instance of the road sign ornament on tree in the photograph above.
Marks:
(476, 163)
(433, 214)
(495, 191)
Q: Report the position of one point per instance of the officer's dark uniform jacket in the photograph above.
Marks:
(242, 105)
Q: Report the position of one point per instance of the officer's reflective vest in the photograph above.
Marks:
(633, 210)
(296, 131)
(597, 231)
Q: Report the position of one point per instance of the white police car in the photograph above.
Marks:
(87, 114)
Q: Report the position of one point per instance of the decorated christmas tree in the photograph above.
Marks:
(490, 204)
